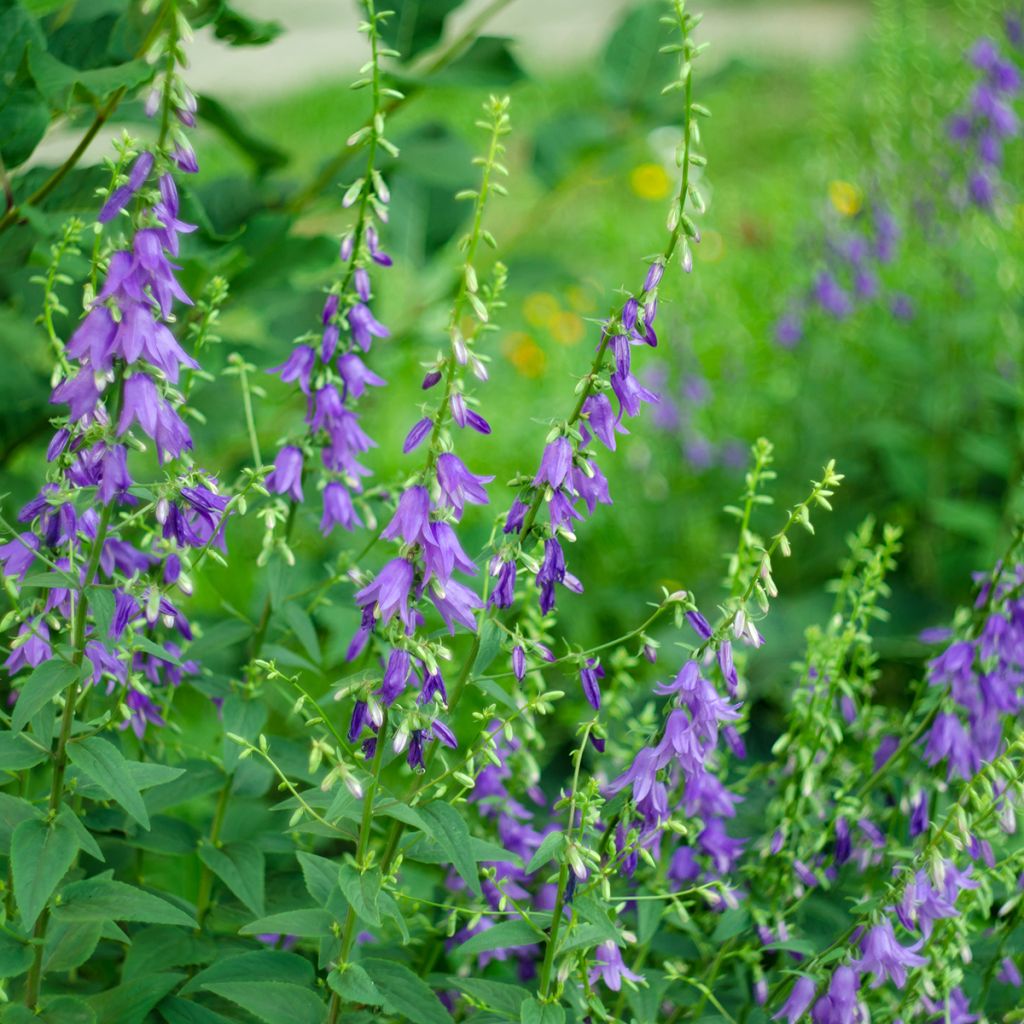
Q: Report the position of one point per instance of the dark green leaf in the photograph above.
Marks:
(406, 993)
(130, 1003)
(533, 1011)
(506, 935)
(490, 644)
(240, 866)
(312, 921)
(302, 626)
(273, 1002)
(41, 854)
(549, 848)
(15, 956)
(143, 643)
(451, 833)
(416, 25)
(244, 718)
(101, 604)
(181, 1011)
(107, 767)
(19, 752)
(494, 995)
(362, 890)
(488, 62)
(39, 688)
(67, 1010)
(354, 985)
(69, 944)
(60, 83)
(259, 965)
(103, 899)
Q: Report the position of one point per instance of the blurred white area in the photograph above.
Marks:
(320, 39)
(320, 42)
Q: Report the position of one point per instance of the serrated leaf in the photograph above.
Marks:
(549, 849)
(406, 994)
(111, 772)
(273, 1002)
(258, 965)
(362, 890)
(15, 956)
(490, 645)
(39, 688)
(312, 922)
(240, 866)
(354, 985)
(19, 752)
(533, 1011)
(103, 899)
(451, 833)
(101, 604)
(504, 935)
(494, 995)
(130, 1003)
(41, 854)
(305, 632)
(244, 718)
(182, 1011)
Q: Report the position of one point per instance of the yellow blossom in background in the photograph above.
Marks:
(567, 328)
(580, 299)
(540, 308)
(650, 181)
(525, 354)
(845, 197)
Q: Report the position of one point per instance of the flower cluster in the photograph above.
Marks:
(329, 366)
(122, 375)
(430, 508)
(987, 120)
(854, 252)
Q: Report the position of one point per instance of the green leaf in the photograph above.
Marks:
(320, 876)
(130, 1003)
(38, 689)
(406, 994)
(354, 985)
(731, 922)
(15, 956)
(416, 25)
(69, 944)
(490, 645)
(549, 849)
(143, 643)
(273, 1002)
(244, 718)
(60, 83)
(109, 769)
(19, 752)
(451, 833)
(103, 899)
(181, 1011)
(507, 934)
(258, 965)
(240, 866)
(362, 890)
(487, 62)
(497, 693)
(67, 1010)
(533, 1011)
(41, 854)
(101, 604)
(302, 626)
(494, 995)
(312, 921)
(13, 811)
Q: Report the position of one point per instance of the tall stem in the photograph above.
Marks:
(60, 756)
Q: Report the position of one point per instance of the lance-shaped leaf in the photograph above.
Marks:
(41, 853)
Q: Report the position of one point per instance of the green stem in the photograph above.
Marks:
(60, 756)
